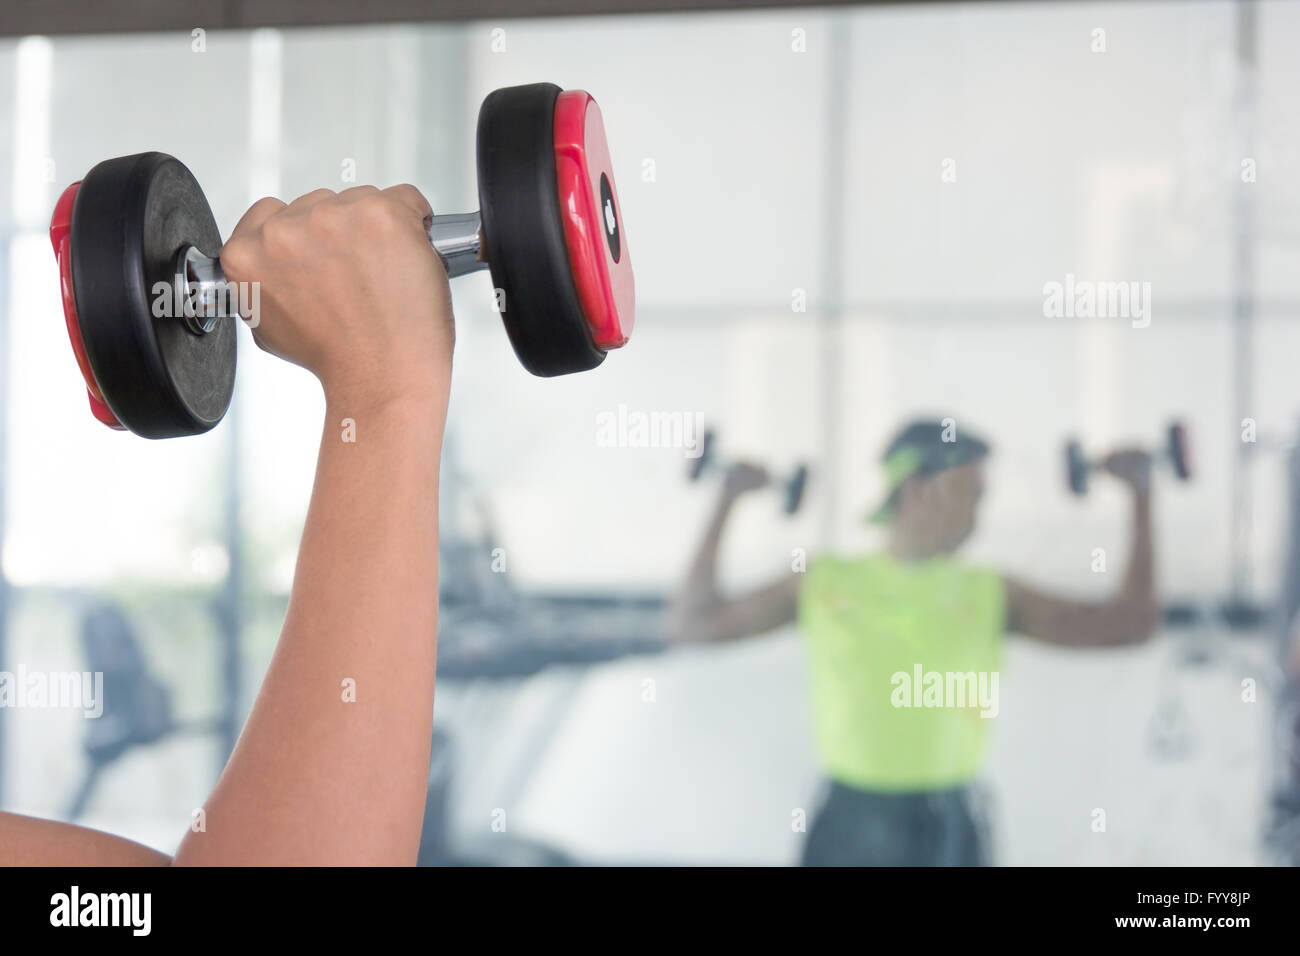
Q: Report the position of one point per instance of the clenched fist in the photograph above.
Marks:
(350, 289)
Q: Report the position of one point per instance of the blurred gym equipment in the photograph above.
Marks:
(137, 705)
(791, 486)
(491, 637)
(1175, 452)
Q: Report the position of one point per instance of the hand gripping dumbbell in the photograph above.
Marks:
(549, 229)
(1176, 453)
(791, 486)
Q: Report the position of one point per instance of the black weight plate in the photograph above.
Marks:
(1076, 468)
(1179, 454)
(794, 490)
(523, 232)
(705, 458)
(131, 216)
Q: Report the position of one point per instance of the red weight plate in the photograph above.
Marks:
(593, 220)
(60, 238)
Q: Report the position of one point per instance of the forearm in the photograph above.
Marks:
(1129, 615)
(1139, 576)
(1133, 613)
(699, 592)
(315, 777)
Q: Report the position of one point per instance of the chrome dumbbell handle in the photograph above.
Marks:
(457, 238)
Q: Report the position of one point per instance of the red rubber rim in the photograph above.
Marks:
(60, 238)
(604, 285)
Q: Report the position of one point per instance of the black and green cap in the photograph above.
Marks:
(922, 448)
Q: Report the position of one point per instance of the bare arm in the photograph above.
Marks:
(351, 290)
(700, 612)
(1130, 616)
(359, 297)
(316, 779)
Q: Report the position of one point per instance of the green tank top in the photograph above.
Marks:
(903, 659)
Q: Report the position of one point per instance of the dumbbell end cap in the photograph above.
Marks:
(524, 237)
(1076, 468)
(795, 489)
(1180, 454)
(593, 220)
(60, 238)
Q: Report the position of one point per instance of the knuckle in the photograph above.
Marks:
(379, 210)
(279, 233)
(265, 203)
(415, 199)
(328, 215)
(358, 192)
(410, 191)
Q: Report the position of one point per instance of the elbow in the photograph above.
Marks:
(700, 622)
(1118, 625)
(1148, 621)
(685, 624)
(1137, 623)
(675, 630)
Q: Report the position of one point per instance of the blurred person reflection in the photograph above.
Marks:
(904, 647)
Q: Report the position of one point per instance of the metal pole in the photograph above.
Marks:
(831, 320)
(264, 119)
(1244, 305)
(229, 601)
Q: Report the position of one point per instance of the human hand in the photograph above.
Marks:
(743, 477)
(1131, 466)
(350, 289)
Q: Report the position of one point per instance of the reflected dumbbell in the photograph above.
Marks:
(1175, 452)
(137, 233)
(791, 486)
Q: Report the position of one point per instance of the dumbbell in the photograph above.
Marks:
(791, 487)
(1176, 452)
(137, 230)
